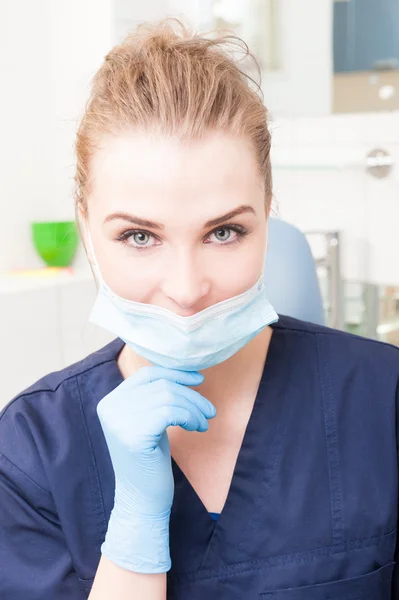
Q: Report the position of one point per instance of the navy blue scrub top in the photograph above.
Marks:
(313, 504)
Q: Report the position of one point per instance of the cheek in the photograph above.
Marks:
(128, 285)
(241, 277)
(127, 275)
(236, 272)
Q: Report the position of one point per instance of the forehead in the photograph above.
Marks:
(140, 170)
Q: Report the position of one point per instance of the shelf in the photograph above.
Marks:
(37, 279)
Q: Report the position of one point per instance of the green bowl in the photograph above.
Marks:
(56, 241)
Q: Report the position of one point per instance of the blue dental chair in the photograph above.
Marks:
(290, 274)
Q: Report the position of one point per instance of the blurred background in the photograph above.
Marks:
(330, 78)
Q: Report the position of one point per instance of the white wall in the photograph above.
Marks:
(321, 184)
(25, 103)
(304, 86)
(48, 52)
(129, 13)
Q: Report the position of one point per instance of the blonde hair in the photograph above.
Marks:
(166, 77)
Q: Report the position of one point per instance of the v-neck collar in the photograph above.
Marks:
(196, 540)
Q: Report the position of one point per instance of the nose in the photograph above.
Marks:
(186, 283)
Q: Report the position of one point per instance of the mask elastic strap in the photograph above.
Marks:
(93, 258)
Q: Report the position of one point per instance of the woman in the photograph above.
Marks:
(214, 449)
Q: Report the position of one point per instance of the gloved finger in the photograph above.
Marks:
(167, 415)
(164, 391)
(149, 374)
(181, 401)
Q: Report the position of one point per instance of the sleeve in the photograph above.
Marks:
(34, 560)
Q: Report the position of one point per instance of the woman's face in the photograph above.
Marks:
(177, 225)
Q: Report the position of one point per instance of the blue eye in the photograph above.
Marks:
(144, 240)
(223, 234)
(228, 235)
(138, 239)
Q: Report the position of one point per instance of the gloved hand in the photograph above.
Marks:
(134, 418)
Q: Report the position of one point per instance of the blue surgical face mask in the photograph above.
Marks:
(187, 343)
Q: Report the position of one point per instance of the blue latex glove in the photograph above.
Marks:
(134, 418)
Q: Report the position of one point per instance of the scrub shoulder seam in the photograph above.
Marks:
(14, 466)
(49, 390)
(327, 331)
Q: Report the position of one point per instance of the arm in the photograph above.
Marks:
(34, 560)
(134, 418)
(112, 581)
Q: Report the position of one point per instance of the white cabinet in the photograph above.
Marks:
(78, 337)
(30, 343)
(44, 327)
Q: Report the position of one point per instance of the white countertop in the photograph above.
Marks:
(36, 279)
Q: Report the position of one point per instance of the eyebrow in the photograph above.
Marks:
(244, 208)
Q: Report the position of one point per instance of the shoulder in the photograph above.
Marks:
(47, 418)
(52, 383)
(337, 338)
(340, 351)
(351, 380)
